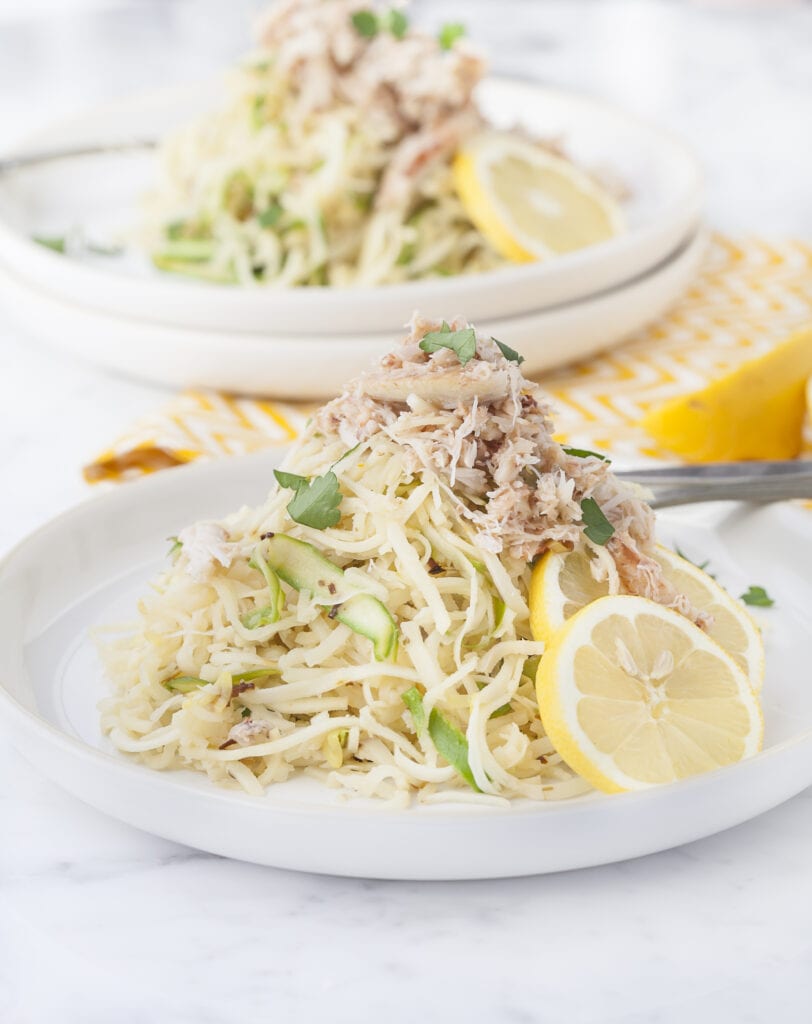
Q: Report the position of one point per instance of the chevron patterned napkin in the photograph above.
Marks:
(749, 295)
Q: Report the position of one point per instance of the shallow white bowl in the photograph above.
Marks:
(316, 366)
(101, 194)
(88, 567)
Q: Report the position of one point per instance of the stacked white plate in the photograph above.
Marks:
(120, 313)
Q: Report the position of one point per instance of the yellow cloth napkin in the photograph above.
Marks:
(750, 294)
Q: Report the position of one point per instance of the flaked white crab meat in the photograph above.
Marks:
(486, 431)
(205, 544)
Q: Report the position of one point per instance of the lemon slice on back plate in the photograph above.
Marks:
(562, 583)
(528, 202)
(633, 695)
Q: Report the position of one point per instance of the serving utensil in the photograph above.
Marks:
(758, 482)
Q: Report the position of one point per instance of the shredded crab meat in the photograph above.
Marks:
(205, 544)
(487, 432)
(412, 93)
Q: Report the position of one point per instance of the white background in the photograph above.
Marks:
(102, 925)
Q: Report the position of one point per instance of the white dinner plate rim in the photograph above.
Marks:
(184, 357)
(159, 780)
(407, 294)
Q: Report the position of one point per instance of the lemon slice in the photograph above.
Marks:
(755, 412)
(562, 583)
(529, 203)
(632, 695)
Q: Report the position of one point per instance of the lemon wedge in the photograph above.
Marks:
(755, 412)
(529, 203)
(632, 695)
(562, 583)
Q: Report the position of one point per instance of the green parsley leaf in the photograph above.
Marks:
(509, 353)
(54, 244)
(414, 702)
(596, 526)
(584, 453)
(396, 22)
(757, 596)
(245, 713)
(450, 33)
(462, 342)
(365, 23)
(269, 217)
(290, 480)
(452, 745)
(316, 503)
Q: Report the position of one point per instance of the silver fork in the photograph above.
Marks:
(758, 482)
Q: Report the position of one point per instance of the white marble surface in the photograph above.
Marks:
(100, 924)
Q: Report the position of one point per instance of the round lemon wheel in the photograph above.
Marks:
(633, 695)
(562, 584)
(529, 203)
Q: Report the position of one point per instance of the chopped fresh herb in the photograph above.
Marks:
(509, 353)
(184, 684)
(462, 342)
(365, 23)
(584, 453)
(245, 713)
(596, 526)
(369, 24)
(396, 22)
(269, 217)
(290, 480)
(452, 745)
(758, 597)
(176, 547)
(414, 702)
(54, 244)
(315, 502)
(450, 33)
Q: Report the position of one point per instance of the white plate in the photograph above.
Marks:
(102, 193)
(89, 565)
(291, 366)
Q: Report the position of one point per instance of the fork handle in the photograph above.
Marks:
(758, 482)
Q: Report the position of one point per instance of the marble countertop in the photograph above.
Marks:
(101, 924)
